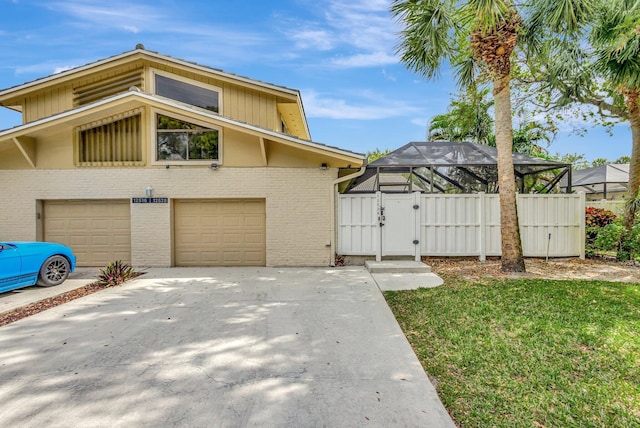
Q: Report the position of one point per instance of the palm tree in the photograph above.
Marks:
(467, 119)
(481, 35)
(616, 39)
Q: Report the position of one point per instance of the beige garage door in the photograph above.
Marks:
(98, 232)
(219, 232)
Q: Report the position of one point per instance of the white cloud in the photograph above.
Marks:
(131, 28)
(319, 106)
(365, 60)
(365, 28)
(63, 68)
(115, 14)
(388, 76)
(138, 18)
(313, 39)
(421, 122)
(44, 68)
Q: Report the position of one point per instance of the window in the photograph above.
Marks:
(115, 141)
(199, 96)
(183, 141)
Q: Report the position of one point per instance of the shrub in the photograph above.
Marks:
(115, 273)
(608, 237)
(595, 220)
(598, 217)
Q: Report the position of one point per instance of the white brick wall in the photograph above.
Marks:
(297, 202)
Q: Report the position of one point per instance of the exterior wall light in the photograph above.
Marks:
(214, 166)
(324, 166)
(149, 191)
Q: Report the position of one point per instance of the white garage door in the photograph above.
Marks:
(225, 232)
(98, 231)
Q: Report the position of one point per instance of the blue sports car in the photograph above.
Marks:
(27, 263)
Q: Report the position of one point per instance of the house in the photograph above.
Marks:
(158, 161)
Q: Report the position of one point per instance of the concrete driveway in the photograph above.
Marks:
(224, 347)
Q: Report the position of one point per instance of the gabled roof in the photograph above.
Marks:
(132, 55)
(133, 99)
(13, 96)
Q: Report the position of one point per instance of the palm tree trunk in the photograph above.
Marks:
(512, 260)
(631, 100)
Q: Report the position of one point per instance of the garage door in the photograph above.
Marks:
(98, 232)
(219, 232)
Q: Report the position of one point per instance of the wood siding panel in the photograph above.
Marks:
(47, 103)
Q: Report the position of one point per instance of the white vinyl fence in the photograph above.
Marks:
(616, 206)
(456, 225)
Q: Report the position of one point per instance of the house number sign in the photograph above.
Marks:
(150, 200)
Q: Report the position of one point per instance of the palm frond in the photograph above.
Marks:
(561, 16)
(428, 27)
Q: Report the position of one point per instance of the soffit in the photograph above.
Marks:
(132, 100)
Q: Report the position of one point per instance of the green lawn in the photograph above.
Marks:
(529, 353)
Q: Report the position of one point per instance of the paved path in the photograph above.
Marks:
(227, 347)
(24, 296)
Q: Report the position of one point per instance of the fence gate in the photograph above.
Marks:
(399, 218)
(457, 225)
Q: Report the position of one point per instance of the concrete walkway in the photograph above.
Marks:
(25, 296)
(394, 275)
(227, 347)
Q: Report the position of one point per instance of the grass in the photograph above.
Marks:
(529, 352)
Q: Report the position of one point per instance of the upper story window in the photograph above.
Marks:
(188, 91)
(178, 140)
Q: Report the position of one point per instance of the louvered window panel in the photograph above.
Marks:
(118, 142)
(91, 92)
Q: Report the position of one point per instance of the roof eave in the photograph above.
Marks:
(21, 129)
(68, 74)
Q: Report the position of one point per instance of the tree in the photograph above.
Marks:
(577, 161)
(599, 67)
(616, 39)
(480, 36)
(600, 162)
(377, 154)
(467, 119)
(622, 159)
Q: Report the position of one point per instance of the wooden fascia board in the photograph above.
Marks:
(52, 121)
(27, 147)
(226, 77)
(304, 116)
(151, 57)
(135, 99)
(64, 77)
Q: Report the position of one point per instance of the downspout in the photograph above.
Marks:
(334, 192)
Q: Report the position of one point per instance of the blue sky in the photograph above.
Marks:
(339, 53)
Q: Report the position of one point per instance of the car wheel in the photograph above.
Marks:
(54, 271)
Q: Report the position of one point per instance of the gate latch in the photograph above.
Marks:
(415, 207)
(416, 242)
